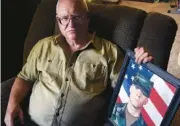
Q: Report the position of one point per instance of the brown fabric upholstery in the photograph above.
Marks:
(42, 25)
(157, 36)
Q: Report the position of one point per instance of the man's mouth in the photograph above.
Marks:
(137, 100)
(73, 30)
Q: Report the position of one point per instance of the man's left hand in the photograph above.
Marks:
(142, 56)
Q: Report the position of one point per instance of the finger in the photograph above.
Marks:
(139, 51)
(11, 121)
(8, 120)
(21, 116)
(136, 49)
(138, 54)
(142, 57)
(147, 59)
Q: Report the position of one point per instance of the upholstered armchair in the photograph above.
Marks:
(125, 26)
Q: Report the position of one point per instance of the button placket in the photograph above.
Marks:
(61, 104)
(71, 65)
(72, 59)
(63, 97)
(66, 84)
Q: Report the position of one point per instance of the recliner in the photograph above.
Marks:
(127, 27)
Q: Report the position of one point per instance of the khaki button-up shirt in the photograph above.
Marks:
(68, 90)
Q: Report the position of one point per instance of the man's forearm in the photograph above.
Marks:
(19, 90)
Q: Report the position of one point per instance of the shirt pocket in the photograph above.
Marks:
(91, 77)
(50, 70)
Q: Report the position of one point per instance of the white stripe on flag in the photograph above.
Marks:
(162, 89)
(153, 113)
(116, 121)
(123, 95)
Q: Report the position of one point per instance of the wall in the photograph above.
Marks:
(16, 19)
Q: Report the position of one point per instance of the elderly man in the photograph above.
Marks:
(129, 114)
(69, 73)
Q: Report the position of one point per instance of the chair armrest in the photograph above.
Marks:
(5, 92)
(157, 36)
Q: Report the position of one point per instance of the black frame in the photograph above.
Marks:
(175, 102)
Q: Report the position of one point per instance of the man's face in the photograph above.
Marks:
(137, 98)
(72, 19)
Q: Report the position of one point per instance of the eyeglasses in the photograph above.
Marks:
(64, 20)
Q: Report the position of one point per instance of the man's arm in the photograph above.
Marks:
(19, 90)
(22, 85)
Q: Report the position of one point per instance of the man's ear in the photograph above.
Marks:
(89, 15)
(146, 101)
(88, 20)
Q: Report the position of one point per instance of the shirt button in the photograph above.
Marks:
(66, 79)
(71, 65)
(57, 113)
(62, 95)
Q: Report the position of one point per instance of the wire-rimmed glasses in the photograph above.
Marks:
(64, 20)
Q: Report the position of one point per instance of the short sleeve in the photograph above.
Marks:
(116, 60)
(29, 71)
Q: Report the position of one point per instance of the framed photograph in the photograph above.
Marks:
(145, 95)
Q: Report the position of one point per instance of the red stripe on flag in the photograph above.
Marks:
(158, 102)
(146, 118)
(118, 100)
(173, 89)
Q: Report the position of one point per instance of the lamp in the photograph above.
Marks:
(176, 8)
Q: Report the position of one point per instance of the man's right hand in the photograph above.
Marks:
(19, 90)
(12, 113)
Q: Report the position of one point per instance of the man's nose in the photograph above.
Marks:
(71, 23)
(139, 92)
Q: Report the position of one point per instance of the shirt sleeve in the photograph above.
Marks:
(29, 71)
(116, 60)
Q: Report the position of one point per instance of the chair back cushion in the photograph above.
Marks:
(119, 24)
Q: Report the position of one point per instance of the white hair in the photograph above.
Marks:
(83, 3)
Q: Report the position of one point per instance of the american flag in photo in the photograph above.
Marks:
(160, 96)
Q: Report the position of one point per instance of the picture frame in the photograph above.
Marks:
(161, 96)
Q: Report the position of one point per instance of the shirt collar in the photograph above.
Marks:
(60, 40)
